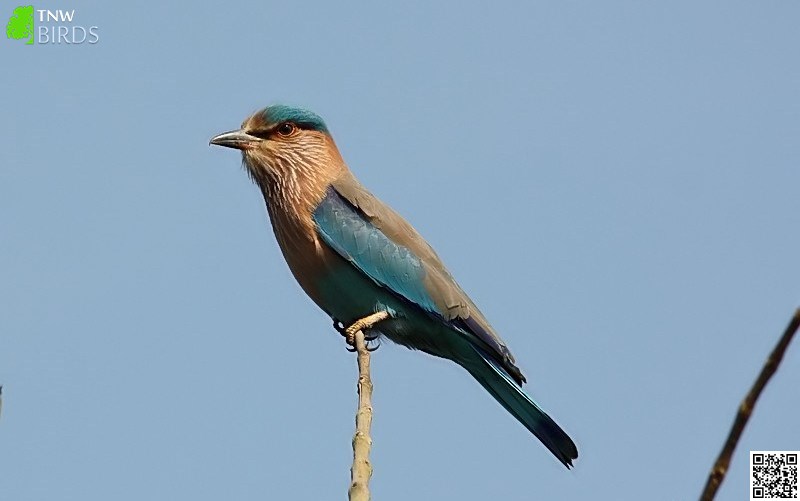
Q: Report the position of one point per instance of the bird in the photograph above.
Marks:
(353, 255)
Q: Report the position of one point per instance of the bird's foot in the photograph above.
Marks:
(371, 340)
(364, 324)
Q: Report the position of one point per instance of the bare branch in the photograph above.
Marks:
(720, 468)
(361, 471)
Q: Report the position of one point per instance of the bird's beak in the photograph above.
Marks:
(238, 139)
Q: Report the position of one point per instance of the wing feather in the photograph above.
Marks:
(385, 247)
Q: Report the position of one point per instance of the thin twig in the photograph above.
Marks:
(720, 468)
(361, 471)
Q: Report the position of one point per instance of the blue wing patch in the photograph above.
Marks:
(350, 233)
(343, 227)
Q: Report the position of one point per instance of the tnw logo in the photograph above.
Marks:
(20, 25)
(59, 15)
(52, 27)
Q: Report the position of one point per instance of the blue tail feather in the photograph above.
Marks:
(514, 399)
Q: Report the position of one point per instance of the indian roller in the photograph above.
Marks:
(354, 256)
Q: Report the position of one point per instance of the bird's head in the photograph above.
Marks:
(282, 143)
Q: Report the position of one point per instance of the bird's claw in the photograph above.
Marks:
(372, 337)
(376, 346)
(350, 337)
(367, 341)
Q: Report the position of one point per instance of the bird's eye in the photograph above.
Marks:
(286, 129)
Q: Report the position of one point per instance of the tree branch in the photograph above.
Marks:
(361, 471)
(720, 468)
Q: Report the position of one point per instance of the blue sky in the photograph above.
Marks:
(614, 184)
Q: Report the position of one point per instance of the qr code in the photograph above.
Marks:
(773, 474)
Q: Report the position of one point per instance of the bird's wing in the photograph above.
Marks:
(385, 247)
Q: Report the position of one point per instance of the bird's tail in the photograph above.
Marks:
(511, 396)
